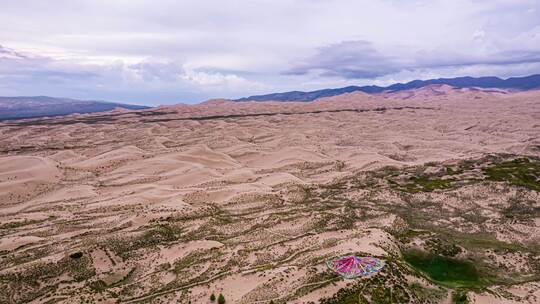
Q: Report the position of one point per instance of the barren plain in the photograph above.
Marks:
(250, 199)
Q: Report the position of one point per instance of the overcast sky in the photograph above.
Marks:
(169, 51)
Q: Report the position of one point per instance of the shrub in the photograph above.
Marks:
(221, 299)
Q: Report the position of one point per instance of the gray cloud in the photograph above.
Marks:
(11, 54)
(360, 60)
(348, 59)
(19, 66)
(171, 81)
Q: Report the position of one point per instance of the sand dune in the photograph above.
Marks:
(111, 159)
(24, 177)
(283, 157)
(206, 157)
(249, 199)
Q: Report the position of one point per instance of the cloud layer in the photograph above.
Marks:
(167, 51)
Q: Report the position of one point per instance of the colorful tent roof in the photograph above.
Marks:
(351, 266)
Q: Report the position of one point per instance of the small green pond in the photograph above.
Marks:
(447, 271)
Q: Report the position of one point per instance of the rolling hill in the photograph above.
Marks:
(39, 106)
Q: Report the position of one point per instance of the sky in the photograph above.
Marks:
(186, 51)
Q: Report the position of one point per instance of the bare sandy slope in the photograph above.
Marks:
(175, 203)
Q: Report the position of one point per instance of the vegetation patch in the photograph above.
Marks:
(524, 172)
(76, 255)
(460, 297)
(159, 234)
(31, 280)
(520, 210)
(424, 183)
(443, 247)
(447, 271)
(481, 241)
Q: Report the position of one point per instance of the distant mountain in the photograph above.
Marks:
(39, 106)
(516, 83)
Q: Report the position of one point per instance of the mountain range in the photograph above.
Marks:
(514, 83)
(40, 106)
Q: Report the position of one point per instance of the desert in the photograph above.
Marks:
(251, 199)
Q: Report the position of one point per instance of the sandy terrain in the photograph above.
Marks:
(250, 199)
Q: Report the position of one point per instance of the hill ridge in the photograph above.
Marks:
(517, 83)
(20, 107)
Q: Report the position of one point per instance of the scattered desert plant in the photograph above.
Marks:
(221, 299)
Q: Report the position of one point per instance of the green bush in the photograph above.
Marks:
(221, 299)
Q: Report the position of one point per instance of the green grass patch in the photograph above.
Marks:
(479, 241)
(408, 235)
(423, 183)
(442, 247)
(523, 172)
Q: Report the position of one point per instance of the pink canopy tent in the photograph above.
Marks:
(351, 266)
